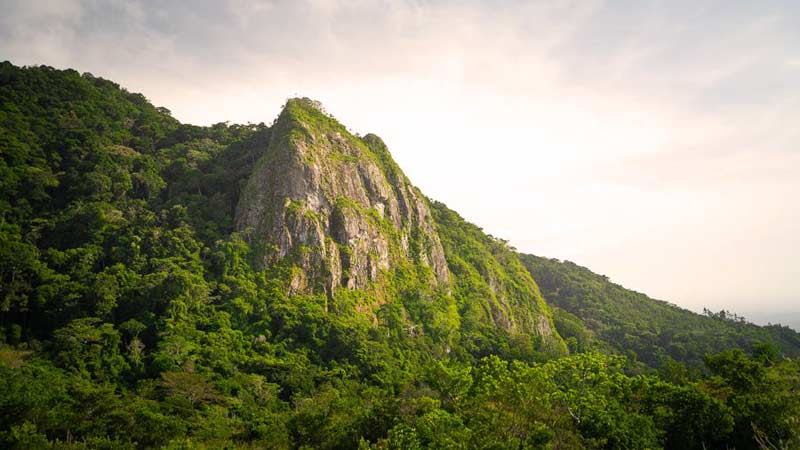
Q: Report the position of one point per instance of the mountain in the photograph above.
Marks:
(340, 214)
(630, 322)
(164, 285)
(336, 204)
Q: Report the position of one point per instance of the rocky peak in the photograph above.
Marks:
(335, 206)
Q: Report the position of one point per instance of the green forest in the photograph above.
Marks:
(136, 312)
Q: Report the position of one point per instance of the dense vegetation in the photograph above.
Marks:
(131, 317)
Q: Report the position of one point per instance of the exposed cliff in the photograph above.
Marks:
(335, 206)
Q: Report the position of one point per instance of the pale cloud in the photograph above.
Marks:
(653, 141)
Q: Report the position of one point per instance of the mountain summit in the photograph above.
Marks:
(335, 205)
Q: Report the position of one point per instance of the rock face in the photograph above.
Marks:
(335, 206)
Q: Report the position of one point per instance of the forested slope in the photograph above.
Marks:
(629, 322)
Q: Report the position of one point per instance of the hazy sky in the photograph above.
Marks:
(655, 142)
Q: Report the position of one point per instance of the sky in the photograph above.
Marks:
(654, 142)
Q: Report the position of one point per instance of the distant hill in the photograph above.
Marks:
(790, 319)
(630, 322)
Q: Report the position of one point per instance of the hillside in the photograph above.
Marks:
(629, 322)
(285, 286)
